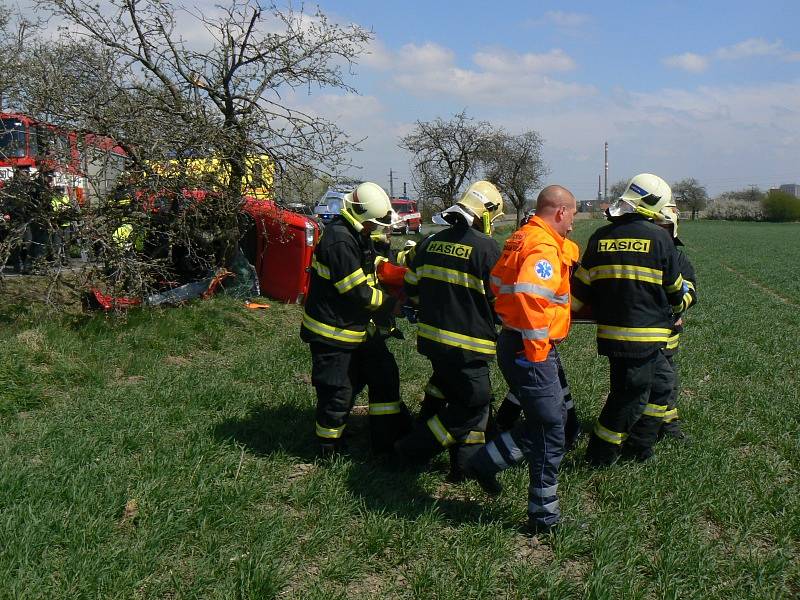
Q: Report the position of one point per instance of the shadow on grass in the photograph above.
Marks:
(267, 430)
(378, 481)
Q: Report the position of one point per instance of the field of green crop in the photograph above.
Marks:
(171, 455)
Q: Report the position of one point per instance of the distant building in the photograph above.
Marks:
(791, 188)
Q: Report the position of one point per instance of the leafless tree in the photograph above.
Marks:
(690, 195)
(123, 68)
(446, 156)
(616, 189)
(515, 165)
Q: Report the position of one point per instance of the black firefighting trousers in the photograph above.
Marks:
(634, 409)
(454, 414)
(539, 437)
(338, 375)
(671, 423)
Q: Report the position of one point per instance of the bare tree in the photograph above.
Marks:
(514, 164)
(446, 155)
(122, 68)
(690, 195)
(15, 30)
(616, 189)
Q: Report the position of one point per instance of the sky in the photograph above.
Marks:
(709, 90)
(679, 88)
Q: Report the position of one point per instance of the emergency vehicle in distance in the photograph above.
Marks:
(85, 164)
(330, 204)
(278, 242)
(410, 219)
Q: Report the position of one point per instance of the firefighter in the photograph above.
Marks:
(448, 279)
(532, 284)
(343, 298)
(671, 426)
(630, 277)
(62, 212)
(378, 370)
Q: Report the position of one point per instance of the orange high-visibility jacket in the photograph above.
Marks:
(531, 285)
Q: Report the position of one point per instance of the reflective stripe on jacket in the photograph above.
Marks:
(343, 295)
(630, 277)
(689, 299)
(449, 279)
(531, 282)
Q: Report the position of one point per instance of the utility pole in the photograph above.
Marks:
(605, 192)
(391, 183)
(405, 194)
(599, 191)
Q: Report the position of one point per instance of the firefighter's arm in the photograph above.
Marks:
(410, 279)
(350, 280)
(673, 282)
(537, 283)
(689, 278)
(581, 284)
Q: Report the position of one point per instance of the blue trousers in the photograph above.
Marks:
(539, 437)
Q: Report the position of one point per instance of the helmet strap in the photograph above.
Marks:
(487, 223)
(351, 219)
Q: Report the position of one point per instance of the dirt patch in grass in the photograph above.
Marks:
(304, 378)
(300, 470)
(577, 569)
(712, 530)
(532, 551)
(178, 361)
(368, 587)
(31, 339)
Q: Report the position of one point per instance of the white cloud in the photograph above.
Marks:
(749, 48)
(497, 77)
(501, 60)
(688, 61)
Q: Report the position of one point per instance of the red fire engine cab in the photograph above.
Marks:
(410, 219)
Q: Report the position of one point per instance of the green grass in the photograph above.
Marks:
(200, 421)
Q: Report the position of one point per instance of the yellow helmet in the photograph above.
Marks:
(368, 202)
(670, 214)
(645, 194)
(481, 201)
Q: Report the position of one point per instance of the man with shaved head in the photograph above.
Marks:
(531, 285)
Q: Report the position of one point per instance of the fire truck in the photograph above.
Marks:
(86, 165)
(278, 242)
(410, 218)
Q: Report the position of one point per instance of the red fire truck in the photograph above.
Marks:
(278, 242)
(86, 165)
(410, 219)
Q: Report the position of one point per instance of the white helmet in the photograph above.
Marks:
(368, 202)
(480, 201)
(645, 194)
(669, 213)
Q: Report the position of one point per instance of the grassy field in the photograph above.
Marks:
(171, 455)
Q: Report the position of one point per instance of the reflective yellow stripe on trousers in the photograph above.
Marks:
(439, 432)
(605, 434)
(329, 433)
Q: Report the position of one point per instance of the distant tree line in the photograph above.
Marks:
(749, 204)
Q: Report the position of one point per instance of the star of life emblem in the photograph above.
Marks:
(544, 269)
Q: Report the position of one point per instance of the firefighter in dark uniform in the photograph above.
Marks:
(630, 277)
(449, 279)
(343, 298)
(671, 427)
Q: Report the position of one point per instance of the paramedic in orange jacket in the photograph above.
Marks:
(531, 284)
